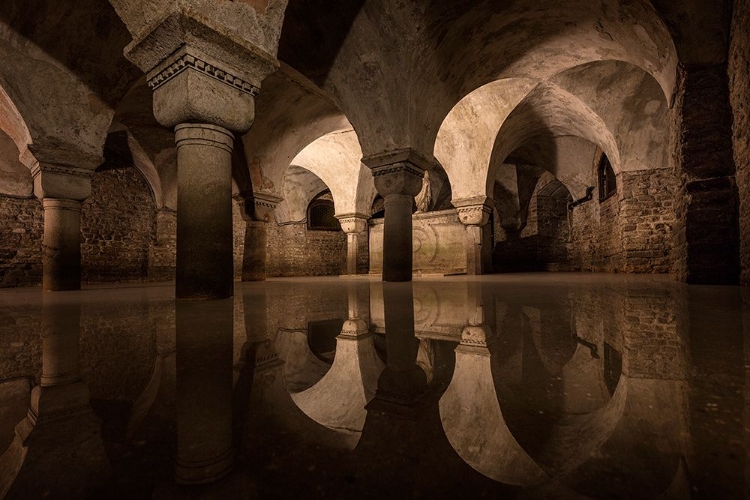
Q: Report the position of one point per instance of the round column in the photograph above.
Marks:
(397, 238)
(204, 211)
(61, 247)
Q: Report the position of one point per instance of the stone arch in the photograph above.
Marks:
(335, 159)
(12, 123)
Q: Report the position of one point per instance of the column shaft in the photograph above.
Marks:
(397, 238)
(204, 212)
(254, 257)
(352, 252)
(61, 248)
(474, 250)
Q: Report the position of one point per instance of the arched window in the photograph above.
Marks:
(320, 214)
(607, 181)
(378, 208)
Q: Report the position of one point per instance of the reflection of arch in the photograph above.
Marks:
(338, 400)
(475, 426)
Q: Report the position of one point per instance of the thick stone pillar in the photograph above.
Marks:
(398, 178)
(706, 246)
(62, 181)
(204, 211)
(474, 213)
(355, 227)
(257, 211)
(206, 98)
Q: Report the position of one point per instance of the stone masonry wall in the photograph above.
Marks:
(162, 258)
(21, 228)
(596, 235)
(706, 236)
(295, 251)
(739, 93)
(647, 216)
(117, 227)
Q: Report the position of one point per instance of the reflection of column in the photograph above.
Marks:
(257, 210)
(474, 213)
(398, 178)
(402, 381)
(204, 390)
(471, 415)
(355, 227)
(58, 450)
(62, 185)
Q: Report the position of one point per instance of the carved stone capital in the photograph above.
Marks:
(398, 172)
(257, 207)
(353, 223)
(476, 336)
(354, 328)
(191, 87)
(473, 211)
(160, 40)
(60, 172)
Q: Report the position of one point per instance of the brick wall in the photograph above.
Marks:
(647, 217)
(706, 236)
(162, 259)
(596, 235)
(295, 251)
(118, 224)
(739, 85)
(21, 229)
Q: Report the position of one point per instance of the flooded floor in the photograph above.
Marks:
(506, 386)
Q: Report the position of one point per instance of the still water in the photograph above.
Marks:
(511, 386)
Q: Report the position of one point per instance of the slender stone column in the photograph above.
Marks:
(204, 211)
(398, 178)
(257, 211)
(474, 213)
(62, 181)
(61, 246)
(355, 227)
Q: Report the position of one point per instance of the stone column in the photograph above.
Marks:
(204, 211)
(62, 181)
(398, 178)
(257, 211)
(355, 227)
(474, 213)
(206, 99)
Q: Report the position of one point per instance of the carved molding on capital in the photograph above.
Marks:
(257, 207)
(155, 44)
(353, 223)
(473, 211)
(355, 329)
(190, 59)
(406, 155)
(476, 336)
